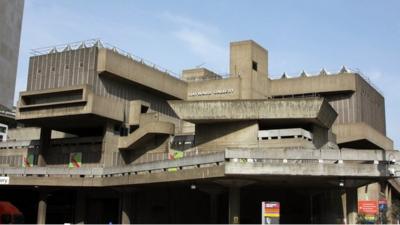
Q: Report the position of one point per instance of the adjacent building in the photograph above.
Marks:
(10, 32)
(123, 141)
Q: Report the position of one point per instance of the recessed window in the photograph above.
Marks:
(255, 66)
(81, 64)
(66, 67)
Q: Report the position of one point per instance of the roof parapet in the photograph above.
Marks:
(99, 44)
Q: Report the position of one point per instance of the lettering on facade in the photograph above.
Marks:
(215, 92)
(4, 180)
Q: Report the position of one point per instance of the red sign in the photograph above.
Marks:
(368, 207)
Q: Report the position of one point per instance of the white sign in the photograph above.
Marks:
(4, 180)
(215, 92)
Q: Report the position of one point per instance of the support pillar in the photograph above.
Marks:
(42, 208)
(351, 205)
(126, 207)
(234, 205)
(213, 192)
(214, 208)
(80, 207)
(109, 144)
(45, 138)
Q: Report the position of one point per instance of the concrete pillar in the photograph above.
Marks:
(45, 138)
(351, 205)
(126, 207)
(344, 206)
(214, 208)
(80, 207)
(42, 207)
(213, 192)
(320, 136)
(109, 144)
(234, 205)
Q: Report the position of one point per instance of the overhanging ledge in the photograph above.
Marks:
(316, 110)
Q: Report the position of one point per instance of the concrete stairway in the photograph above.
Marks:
(144, 133)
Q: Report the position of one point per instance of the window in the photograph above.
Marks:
(255, 65)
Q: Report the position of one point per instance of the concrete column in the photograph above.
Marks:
(126, 207)
(109, 144)
(42, 207)
(45, 138)
(234, 205)
(320, 136)
(80, 207)
(344, 206)
(351, 205)
(214, 208)
(213, 192)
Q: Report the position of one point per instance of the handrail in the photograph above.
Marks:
(388, 157)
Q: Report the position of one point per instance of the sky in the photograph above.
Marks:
(299, 35)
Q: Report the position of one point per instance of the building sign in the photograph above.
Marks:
(4, 180)
(368, 207)
(214, 92)
(270, 212)
(75, 160)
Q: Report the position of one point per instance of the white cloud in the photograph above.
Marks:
(202, 39)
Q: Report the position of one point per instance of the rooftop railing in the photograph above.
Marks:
(98, 43)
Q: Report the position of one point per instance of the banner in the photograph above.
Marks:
(172, 155)
(368, 207)
(28, 160)
(75, 160)
(270, 212)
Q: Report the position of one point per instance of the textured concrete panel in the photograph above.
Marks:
(229, 110)
(10, 32)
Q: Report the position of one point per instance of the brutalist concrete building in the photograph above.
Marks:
(109, 137)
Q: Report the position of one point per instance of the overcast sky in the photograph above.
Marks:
(178, 35)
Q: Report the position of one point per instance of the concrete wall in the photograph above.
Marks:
(218, 136)
(214, 89)
(10, 31)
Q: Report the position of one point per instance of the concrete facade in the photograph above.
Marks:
(10, 31)
(128, 141)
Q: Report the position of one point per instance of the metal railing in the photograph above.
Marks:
(318, 73)
(219, 158)
(98, 43)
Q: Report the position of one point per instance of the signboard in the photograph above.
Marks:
(75, 160)
(28, 160)
(368, 207)
(270, 212)
(172, 155)
(4, 180)
(382, 205)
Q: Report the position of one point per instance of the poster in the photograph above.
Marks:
(75, 160)
(369, 210)
(28, 160)
(270, 212)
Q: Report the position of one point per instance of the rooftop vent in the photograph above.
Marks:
(344, 70)
(303, 74)
(323, 72)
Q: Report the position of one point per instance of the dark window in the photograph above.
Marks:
(255, 66)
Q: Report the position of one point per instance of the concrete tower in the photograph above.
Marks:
(249, 61)
(10, 32)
